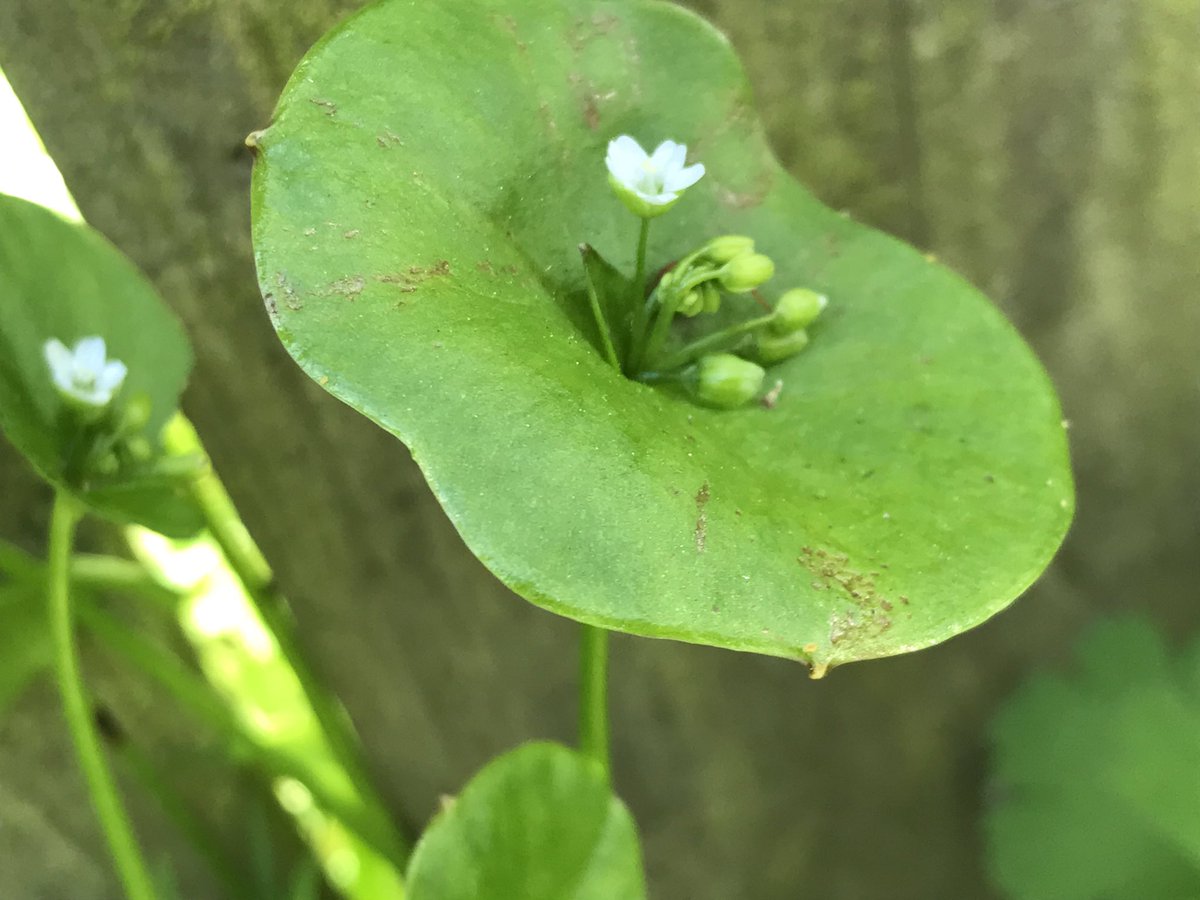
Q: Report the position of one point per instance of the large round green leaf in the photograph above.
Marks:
(62, 280)
(539, 823)
(418, 203)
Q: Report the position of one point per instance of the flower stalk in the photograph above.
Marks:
(118, 832)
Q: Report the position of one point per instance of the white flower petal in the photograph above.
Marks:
(89, 354)
(684, 178)
(625, 158)
(678, 159)
(663, 154)
(658, 199)
(59, 359)
(112, 376)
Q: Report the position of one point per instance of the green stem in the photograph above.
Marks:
(251, 567)
(662, 327)
(113, 820)
(593, 695)
(99, 572)
(641, 315)
(194, 696)
(718, 340)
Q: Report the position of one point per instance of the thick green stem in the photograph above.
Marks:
(194, 696)
(251, 567)
(593, 695)
(641, 314)
(115, 823)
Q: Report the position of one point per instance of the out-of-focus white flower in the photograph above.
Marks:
(649, 183)
(85, 374)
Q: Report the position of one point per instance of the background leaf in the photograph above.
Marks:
(418, 205)
(59, 279)
(1095, 775)
(25, 646)
(538, 823)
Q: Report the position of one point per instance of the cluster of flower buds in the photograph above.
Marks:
(787, 332)
(724, 368)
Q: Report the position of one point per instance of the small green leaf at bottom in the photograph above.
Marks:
(539, 823)
(1097, 794)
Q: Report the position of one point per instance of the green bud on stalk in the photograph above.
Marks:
(692, 303)
(724, 381)
(773, 348)
(797, 309)
(728, 247)
(744, 273)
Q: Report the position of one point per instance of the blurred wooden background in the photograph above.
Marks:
(1048, 149)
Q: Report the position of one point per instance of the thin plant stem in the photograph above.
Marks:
(127, 857)
(641, 315)
(593, 695)
(610, 352)
(661, 328)
(716, 341)
(194, 696)
(252, 569)
(100, 572)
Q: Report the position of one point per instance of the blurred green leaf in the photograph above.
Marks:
(418, 204)
(538, 823)
(62, 280)
(26, 649)
(1097, 793)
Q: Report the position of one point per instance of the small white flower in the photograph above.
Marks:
(85, 374)
(650, 183)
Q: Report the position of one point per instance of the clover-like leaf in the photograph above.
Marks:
(539, 823)
(1095, 787)
(419, 201)
(62, 281)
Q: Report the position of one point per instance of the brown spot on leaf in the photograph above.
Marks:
(349, 287)
(866, 615)
(591, 112)
(702, 497)
(771, 398)
(747, 199)
(414, 276)
(328, 106)
(290, 298)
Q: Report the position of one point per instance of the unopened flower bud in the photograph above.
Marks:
(711, 295)
(773, 348)
(744, 273)
(135, 414)
(728, 247)
(797, 309)
(692, 303)
(725, 381)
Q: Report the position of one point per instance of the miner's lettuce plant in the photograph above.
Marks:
(655, 384)
(911, 478)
